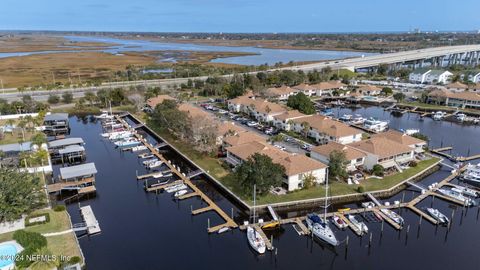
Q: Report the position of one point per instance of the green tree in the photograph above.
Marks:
(38, 139)
(378, 170)
(387, 91)
(167, 116)
(260, 170)
(302, 103)
(53, 99)
(309, 181)
(338, 165)
(399, 96)
(20, 193)
(67, 97)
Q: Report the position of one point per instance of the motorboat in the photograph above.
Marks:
(321, 230)
(120, 136)
(176, 188)
(393, 216)
(160, 183)
(139, 148)
(339, 222)
(471, 175)
(360, 225)
(180, 193)
(255, 240)
(466, 191)
(461, 117)
(148, 161)
(146, 155)
(375, 124)
(358, 120)
(410, 131)
(438, 116)
(127, 143)
(104, 115)
(456, 195)
(154, 164)
(346, 118)
(162, 174)
(441, 218)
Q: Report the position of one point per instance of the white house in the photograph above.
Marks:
(261, 109)
(354, 157)
(474, 76)
(284, 121)
(324, 88)
(281, 93)
(438, 76)
(308, 90)
(419, 75)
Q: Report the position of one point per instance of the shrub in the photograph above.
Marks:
(360, 189)
(74, 260)
(22, 261)
(413, 163)
(59, 208)
(28, 223)
(30, 240)
(378, 170)
(53, 99)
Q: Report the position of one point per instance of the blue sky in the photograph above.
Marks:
(240, 15)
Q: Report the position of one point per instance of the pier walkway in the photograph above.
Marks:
(229, 222)
(91, 221)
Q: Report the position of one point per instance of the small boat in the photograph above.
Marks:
(159, 183)
(271, 225)
(471, 175)
(223, 229)
(343, 209)
(127, 143)
(146, 155)
(358, 120)
(441, 218)
(104, 115)
(255, 240)
(393, 216)
(410, 131)
(456, 195)
(154, 164)
(346, 118)
(461, 117)
(162, 174)
(180, 193)
(438, 116)
(146, 162)
(339, 222)
(139, 148)
(176, 188)
(360, 225)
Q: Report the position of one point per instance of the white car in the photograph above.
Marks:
(252, 123)
(222, 111)
(280, 147)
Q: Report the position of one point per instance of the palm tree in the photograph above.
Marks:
(306, 128)
(22, 124)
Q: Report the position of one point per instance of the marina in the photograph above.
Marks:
(192, 201)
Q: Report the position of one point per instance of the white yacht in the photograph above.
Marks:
(461, 117)
(393, 216)
(375, 124)
(346, 118)
(466, 191)
(456, 195)
(321, 230)
(471, 175)
(176, 188)
(104, 115)
(441, 218)
(361, 226)
(438, 116)
(154, 164)
(358, 120)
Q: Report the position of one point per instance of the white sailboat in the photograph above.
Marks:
(254, 238)
(319, 227)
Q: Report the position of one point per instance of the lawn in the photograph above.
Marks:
(16, 135)
(336, 188)
(64, 244)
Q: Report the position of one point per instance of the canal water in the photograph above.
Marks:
(262, 55)
(148, 231)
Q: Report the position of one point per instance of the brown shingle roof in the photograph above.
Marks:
(153, 102)
(457, 85)
(304, 87)
(328, 126)
(226, 127)
(193, 111)
(465, 95)
(350, 152)
(328, 85)
(382, 147)
(289, 115)
(282, 90)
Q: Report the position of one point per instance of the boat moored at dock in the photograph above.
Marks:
(360, 225)
(457, 196)
(393, 216)
(321, 229)
(436, 214)
(255, 240)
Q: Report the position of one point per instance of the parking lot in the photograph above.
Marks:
(288, 143)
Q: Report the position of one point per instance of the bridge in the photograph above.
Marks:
(438, 56)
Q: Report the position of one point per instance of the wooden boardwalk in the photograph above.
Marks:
(91, 221)
(69, 184)
(423, 214)
(229, 222)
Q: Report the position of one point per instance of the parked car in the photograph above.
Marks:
(268, 130)
(280, 147)
(209, 107)
(221, 111)
(252, 123)
(307, 147)
(260, 127)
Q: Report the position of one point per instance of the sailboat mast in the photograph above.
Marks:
(326, 195)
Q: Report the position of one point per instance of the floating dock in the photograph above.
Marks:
(91, 221)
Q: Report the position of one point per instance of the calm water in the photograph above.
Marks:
(269, 56)
(146, 231)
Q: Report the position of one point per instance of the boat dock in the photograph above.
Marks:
(148, 175)
(441, 152)
(387, 219)
(211, 206)
(91, 221)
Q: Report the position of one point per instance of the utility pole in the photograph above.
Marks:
(1, 83)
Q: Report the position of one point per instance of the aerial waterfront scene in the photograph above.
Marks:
(239, 134)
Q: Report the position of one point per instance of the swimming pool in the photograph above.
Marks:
(8, 250)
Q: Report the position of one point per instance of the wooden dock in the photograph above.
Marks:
(188, 195)
(354, 228)
(387, 219)
(423, 214)
(160, 187)
(93, 227)
(69, 184)
(229, 222)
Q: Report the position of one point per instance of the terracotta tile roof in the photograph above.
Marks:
(226, 127)
(328, 126)
(243, 138)
(282, 90)
(153, 102)
(292, 114)
(400, 137)
(382, 147)
(457, 85)
(328, 85)
(294, 164)
(350, 152)
(304, 87)
(465, 95)
(193, 111)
